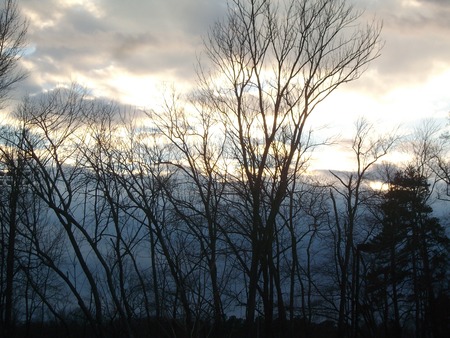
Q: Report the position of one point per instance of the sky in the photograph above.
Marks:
(129, 50)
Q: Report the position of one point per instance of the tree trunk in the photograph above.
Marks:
(10, 257)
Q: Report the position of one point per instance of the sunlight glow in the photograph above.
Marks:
(411, 3)
(378, 185)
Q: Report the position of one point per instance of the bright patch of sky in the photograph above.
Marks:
(128, 50)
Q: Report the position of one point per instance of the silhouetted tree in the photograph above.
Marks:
(12, 166)
(351, 196)
(12, 41)
(13, 30)
(275, 63)
(411, 257)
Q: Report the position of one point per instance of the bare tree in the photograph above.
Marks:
(43, 296)
(198, 164)
(147, 181)
(55, 178)
(306, 218)
(12, 162)
(13, 31)
(142, 178)
(12, 40)
(115, 231)
(353, 192)
(275, 63)
(76, 170)
(428, 147)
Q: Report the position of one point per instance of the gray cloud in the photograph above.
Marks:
(155, 38)
(417, 39)
(138, 37)
(444, 3)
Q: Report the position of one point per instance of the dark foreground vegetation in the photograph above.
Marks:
(203, 218)
(232, 327)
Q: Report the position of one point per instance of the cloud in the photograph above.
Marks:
(417, 35)
(96, 40)
(75, 39)
(444, 3)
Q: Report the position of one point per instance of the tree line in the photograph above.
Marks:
(201, 218)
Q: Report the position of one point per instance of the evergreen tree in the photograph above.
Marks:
(411, 259)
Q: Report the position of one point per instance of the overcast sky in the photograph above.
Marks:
(127, 49)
